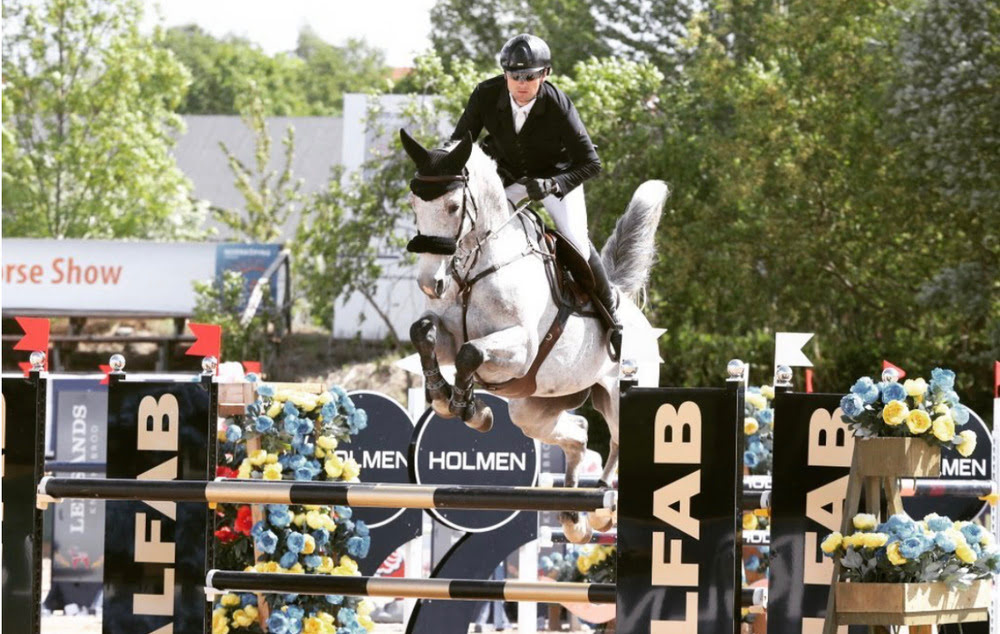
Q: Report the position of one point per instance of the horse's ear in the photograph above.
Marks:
(413, 148)
(459, 155)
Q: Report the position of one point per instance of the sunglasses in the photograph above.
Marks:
(526, 75)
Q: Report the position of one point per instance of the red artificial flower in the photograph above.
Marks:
(244, 520)
(225, 472)
(226, 535)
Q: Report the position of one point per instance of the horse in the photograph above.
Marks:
(491, 311)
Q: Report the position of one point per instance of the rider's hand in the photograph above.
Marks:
(539, 188)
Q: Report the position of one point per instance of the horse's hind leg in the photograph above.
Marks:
(424, 334)
(547, 420)
(608, 407)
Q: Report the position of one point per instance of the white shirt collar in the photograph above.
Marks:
(526, 108)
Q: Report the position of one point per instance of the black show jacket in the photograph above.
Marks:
(552, 143)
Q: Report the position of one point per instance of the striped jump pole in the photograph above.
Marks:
(355, 494)
(457, 589)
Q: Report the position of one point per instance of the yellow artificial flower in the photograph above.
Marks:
(583, 564)
(328, 523)
(229, 599)
(220, 434)
(757, 400)
(351, 469)
(333, 466)
(750, 425)
(895, 412)
(272, 566)
(299, 519)
(941, 409)
(324, 398)
(326, 565)
(864, 521)
(965, 553)
(245, 469)
(220, 622)
(749, 522)
(272, 472)
(365, 608)
(366, 622)
(832, 543)
(271, 458)
(986, 539)
(767, 391)
(241, 618)
(258, 457)
(297, 568)
(915, 388)
(892, 551)
(327, 442)
(309, 546)
(875, 540)
(956, 536)
(275, 409)
(967, 444)
(918, 422)
(944, 428)
(313, 519)
(251, 610)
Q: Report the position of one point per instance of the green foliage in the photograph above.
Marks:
(88, 117)
(222, 305)
(310, 81)
(269, 198)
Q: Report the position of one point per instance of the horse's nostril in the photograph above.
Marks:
(439, 288)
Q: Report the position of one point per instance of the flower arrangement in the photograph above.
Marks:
(902, 550)
(758, 430)
(291, 435)
(915, 408)
(596, 563)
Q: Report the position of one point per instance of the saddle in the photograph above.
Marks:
(571, 283)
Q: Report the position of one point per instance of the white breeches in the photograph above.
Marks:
(569, 214)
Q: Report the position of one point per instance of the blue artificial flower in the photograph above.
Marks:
(912, 547)
(265, 390)
(343, 512)
(347, 405)
(901, 526)
(852, 405)
(251, 377)
(750, 459)
(942, 380)
(944, 542)
(328, 411)
(347, 617)
(280, 519)
(972, 532)
(338, 392)
(304, 473)
(361, 528)
(357, 547)
(334, 599)
(752, 563)
(866, 390)
(294, 461)
(893, 392)
(321, 536)
(291, 598)
(305, 448)
(765, 416)
(290, 409)
(233, 433)
(312, 561)
(937, 523)
(960, 414)
(258, 528)
(294, 624)
(545, 564)
(253, 409)
(264, 424)
(267, 542)
(358, 420)
(295, 541)
(754, 445)
(247, 598)
(949, 398)
(277, 623)
(288, 560)
(297, 613)
(291, 423)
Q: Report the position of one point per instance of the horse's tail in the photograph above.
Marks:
(628, 254)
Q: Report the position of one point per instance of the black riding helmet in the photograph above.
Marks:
(525, 53)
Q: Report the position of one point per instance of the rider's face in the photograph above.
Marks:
(524, 91)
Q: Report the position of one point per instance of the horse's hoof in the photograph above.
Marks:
(482, 423)
(575, 528)
(441, 408)
(600, 523)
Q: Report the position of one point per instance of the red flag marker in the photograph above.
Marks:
(36, 334)
(809, 380)
(251, 366)
(886, 365)
(208, 342)
(106, 369)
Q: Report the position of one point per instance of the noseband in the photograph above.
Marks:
(433, 187)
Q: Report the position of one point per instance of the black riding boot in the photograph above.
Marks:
(606, 295)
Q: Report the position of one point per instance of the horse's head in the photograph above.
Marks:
(444, 207)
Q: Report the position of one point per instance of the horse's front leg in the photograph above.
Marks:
(424, 334)
(506, 351)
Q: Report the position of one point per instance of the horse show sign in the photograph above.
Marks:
(445, 451)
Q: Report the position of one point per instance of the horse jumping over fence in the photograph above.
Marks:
(493, 313)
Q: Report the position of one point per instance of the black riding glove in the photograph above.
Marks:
(539, 188)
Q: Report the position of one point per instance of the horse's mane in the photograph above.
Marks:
(483, 178)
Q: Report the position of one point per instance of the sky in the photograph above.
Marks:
(398, 27)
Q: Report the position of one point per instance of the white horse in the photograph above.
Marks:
(490, 308)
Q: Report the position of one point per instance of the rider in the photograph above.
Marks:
(541, 148)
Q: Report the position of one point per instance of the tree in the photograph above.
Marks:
(89, 122)
(329, 71)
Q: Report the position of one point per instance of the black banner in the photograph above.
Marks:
(22, 412)
(812, 460)
(154, 571)
(678, 527)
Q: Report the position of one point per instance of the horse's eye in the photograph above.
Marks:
(452, 208)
